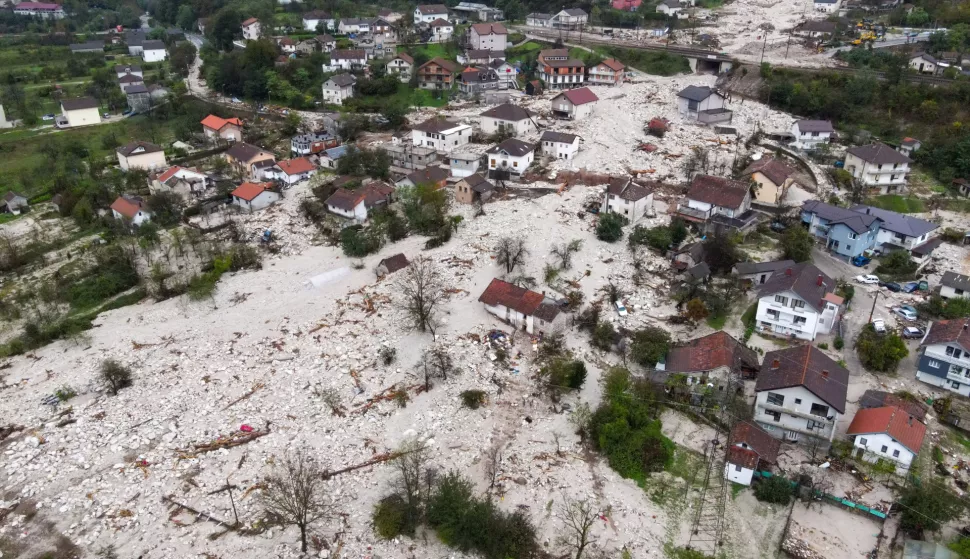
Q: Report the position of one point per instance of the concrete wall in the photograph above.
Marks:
(872, 447)
(154, 160)
(738, 474)
(83, 117)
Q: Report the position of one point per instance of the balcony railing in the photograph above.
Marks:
(784, 409)
(693, 212)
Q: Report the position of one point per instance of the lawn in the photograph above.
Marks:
(433, 50)
(717, 321)
(525, 51)
(897, 203)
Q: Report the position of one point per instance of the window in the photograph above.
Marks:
(884, 449)
(797, 304)
(798, 400)
(774, 415)
(848, 248)
(773, 314)
(934, 364)
(737, 468)
(692, 105)
(952, 351)
(781, 299)
(955, 385)
(895, 454)
(819, 410)
(812, 425)
(776, 399)
(863, 441)
(853, 236)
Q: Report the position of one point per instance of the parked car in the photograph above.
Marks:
(911, 287)
(906, 312)
(879, 325)
(778, 226)
(912, 332)
(620, 309)
(867, 279)
(892, 286)
(48, 117)
(861, 260)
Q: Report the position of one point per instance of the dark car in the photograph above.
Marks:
(861, 261)
(911, 287)
(911, 332)
(892, 286)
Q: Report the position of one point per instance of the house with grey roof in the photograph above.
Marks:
(899, 231)
(703, 104)
(798, 301)
(925, 63)
(12, 202)
(510, 158)
(338, 88)
(670, 7)
(90, 46)
(508, 118)
(757, 273)
(878, 167)
(954, 285)
(627, 198)
(847, 233)
(810, 134)
(559, 145)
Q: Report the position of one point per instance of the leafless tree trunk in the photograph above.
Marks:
(414, 477)
(510, 253)
(579, 517)
(565, 252)
(435, 363)
(295, 494)
(423, 291)
(493, 463)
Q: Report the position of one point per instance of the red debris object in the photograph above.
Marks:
(659, 124)
(649, 148)
(246, 429)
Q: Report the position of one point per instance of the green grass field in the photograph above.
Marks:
(897, 203)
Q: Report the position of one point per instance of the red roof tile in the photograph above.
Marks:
(249, 22)
(217, 123)
(580, 96)
(126, 207)
(757, 439)
(901, 426)
(710, 352)
(169, 173)
(718, 191)
(613, 64)
(742, 457)
(945, 331)
(512, 296)
(296, 166)
(249, 190)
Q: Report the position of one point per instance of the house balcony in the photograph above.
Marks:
(692, 214)
(795, 413)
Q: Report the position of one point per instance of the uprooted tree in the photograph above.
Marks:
(510, 253)
(295, 495)
(423, 290)
(579, 518)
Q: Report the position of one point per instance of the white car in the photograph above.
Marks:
(867, 279)
(879, 325)
(620, 309)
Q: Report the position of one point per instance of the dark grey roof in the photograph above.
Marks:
(147, 147)
(135, 37)
(479, 75)
(899, 223)
(561, 137)
(153, 45)
(927, 248)
(90, 45)
(241, 151)
(807, 366)
(537, 15)
(127, 69)
(955, 280)
(436, 125)
(575, 12)
(924, 56)
(745, 268)
(508, 111)
(857, 221)
(513, 147)
(815, 125)
(880, 154)
(343, 80)
(130, 78)
(626, 189)
(135, 89)
(697, 93)
(700, 271)
(79, 103)
(805, 280)
(547, 312)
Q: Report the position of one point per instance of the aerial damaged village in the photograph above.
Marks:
(682, 279)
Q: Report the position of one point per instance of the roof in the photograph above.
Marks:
(537, 15)
(343, 80)
(325, 38)
(613, 64)
(395, 263)
(127, 68)
(927, 248)
(804, 280)
(153, 45)
(433, 9)
(947, 331)
(924, 55)
(130, 148)
(898, 424)
(436, 125)
(856, 221)
(955, 280)
(775, 169)
(169, 173)
(446, 64)
(135, 89)
(578, 96)
(512, 296)
(428, 175)
(128, 207)
(217, 123)
(718, 191)
(375, 193)
(477, 75)
(626, 189)
(249, 22)
(89, 45)
(745, 268)
(345, 199)
(405, 57)
(37, 6)
(440, 23)
(508, 111)
(249, 190)
(287, 41)
(743, 457)
(513, 147)
(757, 439)
(708, 353)
(241, 151)
(880, 398)
(478, 183)
(575, 11)
(79, 103)
(897, 222)
(697, 93)
(11, 195)
(348, 54)
(490, 28)
(131, 78)
(547, 312)
(295, 166)
(568, 63)
(336, 152)
(560, 137)
(910, 141)
(880, 154)
(805, 366)
(819, 26)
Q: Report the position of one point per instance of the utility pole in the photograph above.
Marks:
(873, 310)
(763, 46)
(789, 42)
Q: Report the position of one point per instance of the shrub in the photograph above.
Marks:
(390, 517)
(897, 265)
(387, 355)
(115, 375)
(609, 228)
(839, 343)
(823, 345)
(356, 241)
(649, 345)
(880, 352)
(603, 335)
(563, 374)
(844, 289)
(65, 393)
(797, 244)
(474, 399)
(775, 489)
(938, 307)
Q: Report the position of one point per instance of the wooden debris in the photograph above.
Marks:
(256, 387)
(388, 393)
(238, 438)
(9, 429)
(179, 507)
(379, 459)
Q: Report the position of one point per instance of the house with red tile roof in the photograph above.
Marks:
(252, 196)
(607, 72)
(357, 203)
(750, 449)
(574, 104)
(131, 209)
(229, 129)
(292, 171)
(522, 308)
(887, 434)
(713, 356)
(718, 203)
(181, 180)
(251, 29)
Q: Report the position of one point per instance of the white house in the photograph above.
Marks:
(251, 29)
(131, 209)
(798, 302)
(508, 118)
(627, 198)
(141, 155)
(800, 391)
(749, 449)
(943, 359)
(153, 51)
(313, 20)
(4, 123)
(878, 166)
(11, 202)
(924, 63)
(954, 285)
(402, 65)
(506, 73)
(488, 36)
(559, 145)
(355, 204)
(338, 88)
(569, 18)
(426, 13)
(536, 19)
(908, 146)
(180, 180)
(81, 112)
(671, 8)
(441, 30)
(513, 156)
(898, 231)
(346, 59)
(349, 25)
(827, 6)
(887, 433)
(292, 171)
(440, 134)
(464, 164)
(129, 80)
(523, 309)
(809, 134)
(574, 104)
(327, 42)
(694, 101)
(252, 196)
(758, 273)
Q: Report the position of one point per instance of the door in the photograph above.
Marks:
(859, 452)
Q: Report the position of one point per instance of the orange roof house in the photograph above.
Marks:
(250, 190)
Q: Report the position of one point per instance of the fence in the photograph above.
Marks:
(827, 497)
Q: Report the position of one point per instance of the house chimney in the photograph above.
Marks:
(825, 374)
(788, 271)
(910, 421)
(819, 281)
(775, 364)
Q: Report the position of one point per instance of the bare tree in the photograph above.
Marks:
(613, 292)
(493, 463)
(510, 253)
(415, 479)
(579, 517)
(565, 252)
(423, 289)
(295, 495)
(435, 363)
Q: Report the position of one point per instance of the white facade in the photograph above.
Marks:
(669, 10)
(878, 446)
(154, 55)
(949, 292)
(252, 31)
(151, 160)
(738, 474)
(787, 314)
(141, 217)
(787, 413)
(562, 104)
(4, 123)
(464, 165)
(262, 200)
(538, 20)
(487, 41)
(888, 177)
(506, 162)
(40, 9)
(400, 67)
(923, 65)
(421, 17)
(631, 209)
(690, 108)
(446, 140)
(513, 317)
(887, 237)
(809, 140)
(82, 117)
(311, 23)
(827, 7)
(335, 94)
(950, 361)
(442, 33)
(344, 64)
(492, 125)
(560, 150)
(359, 213)
(506, 75)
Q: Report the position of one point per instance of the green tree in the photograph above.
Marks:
(880, 352)
(927, 505)
(609, 228)
(182, 56)
(797, 244)
(186, 17)
(649, 346)
(223, 28)
(721, 253)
